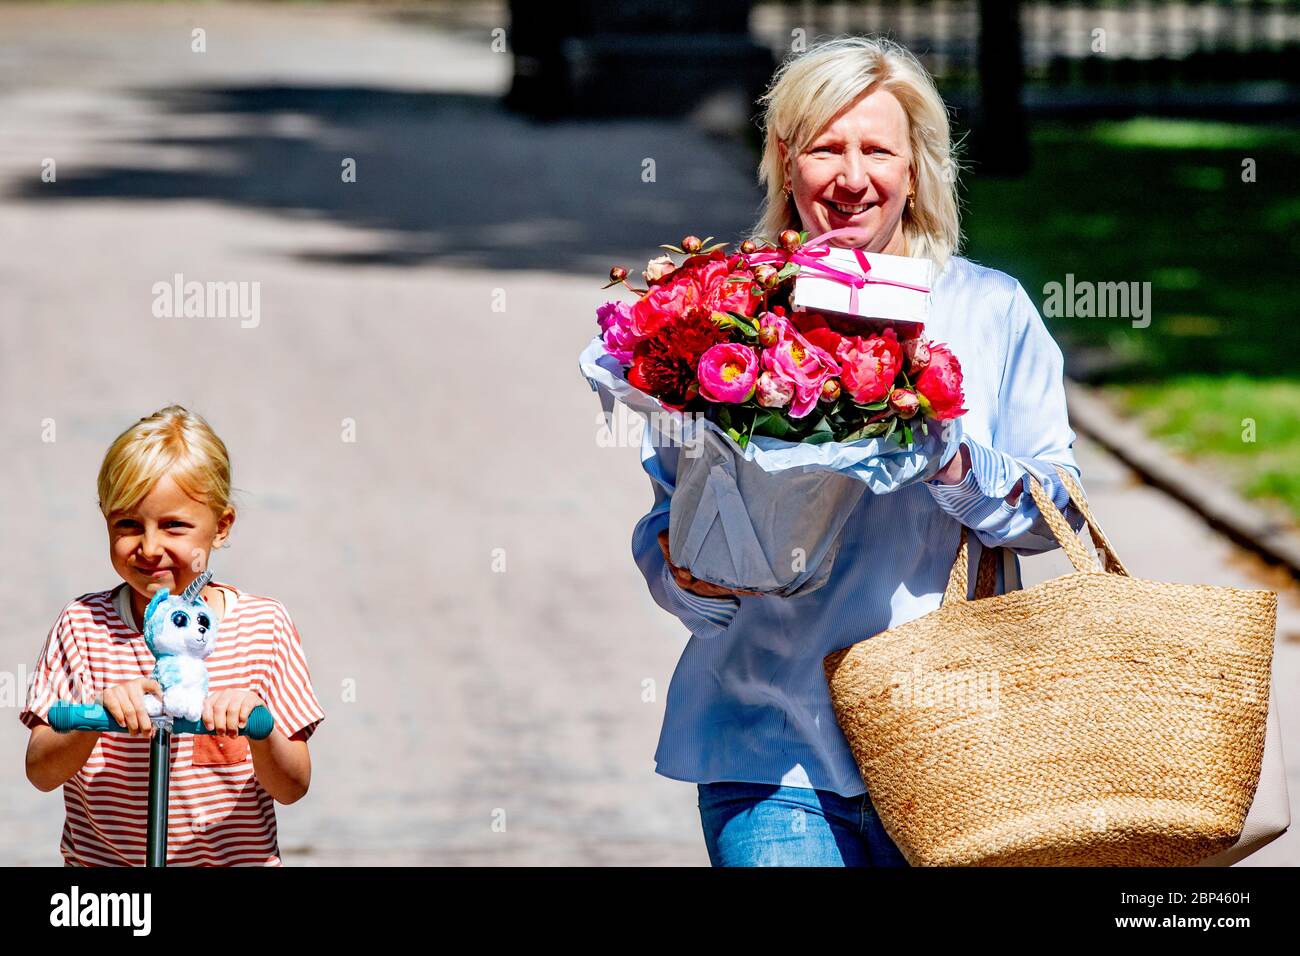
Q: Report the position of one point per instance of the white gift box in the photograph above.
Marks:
(897, 288)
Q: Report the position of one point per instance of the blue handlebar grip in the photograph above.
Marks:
(259, 725)
(65, 717)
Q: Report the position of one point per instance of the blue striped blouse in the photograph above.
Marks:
(748, 700)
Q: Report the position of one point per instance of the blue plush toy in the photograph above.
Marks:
(181, 631)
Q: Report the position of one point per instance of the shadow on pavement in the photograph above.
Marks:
(453, 178)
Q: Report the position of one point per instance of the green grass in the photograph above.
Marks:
(1163, 201)
(1249, 426)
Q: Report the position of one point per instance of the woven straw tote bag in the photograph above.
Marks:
(1095, 719)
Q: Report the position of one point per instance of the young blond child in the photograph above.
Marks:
(164, 491)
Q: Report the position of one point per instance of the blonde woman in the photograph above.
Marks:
(164, 492)
(856, 135)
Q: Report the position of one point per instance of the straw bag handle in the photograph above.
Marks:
(1074, 549)
(1111, 562)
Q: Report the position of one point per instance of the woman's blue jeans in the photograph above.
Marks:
(762, 824)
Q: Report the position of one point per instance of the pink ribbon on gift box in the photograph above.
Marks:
(807, 255)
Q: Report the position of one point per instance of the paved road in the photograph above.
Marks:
(479, 693)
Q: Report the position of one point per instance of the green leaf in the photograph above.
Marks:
(893, 423)
(874, 430)
(787, 270)
(672, 248)
(772, 423)
(743, 321)
(907, 435)
(821, 432)
(731, 320)
(874, 406)
(707, 249)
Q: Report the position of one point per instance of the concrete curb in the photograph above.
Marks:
(1226, 512)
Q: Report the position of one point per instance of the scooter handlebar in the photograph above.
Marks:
(65, 717)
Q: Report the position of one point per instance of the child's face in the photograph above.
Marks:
(164, 541)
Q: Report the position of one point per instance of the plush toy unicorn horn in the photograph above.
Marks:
(181, 631)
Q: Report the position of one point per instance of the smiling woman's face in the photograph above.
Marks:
(862, 160)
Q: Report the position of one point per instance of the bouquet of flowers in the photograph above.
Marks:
(715, 335)
(789, 415)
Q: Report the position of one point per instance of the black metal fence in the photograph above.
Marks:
(1097, 44)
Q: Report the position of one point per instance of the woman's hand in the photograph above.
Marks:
(226, 711)
(125, 704)
(689, 582)
(954, 472)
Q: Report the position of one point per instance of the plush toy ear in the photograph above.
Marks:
(161, 595)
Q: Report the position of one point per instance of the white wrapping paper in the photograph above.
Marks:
(767, 517)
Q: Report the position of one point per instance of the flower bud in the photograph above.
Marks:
(765, 275)
(830, 389)
(772, 392)
(657, 268)
(904, 401)
(748, 247)
(691, 244)
(918, 354)
(768, 336)
(617, 274)
(789, 239)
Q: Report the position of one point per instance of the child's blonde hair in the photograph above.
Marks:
(175, 441)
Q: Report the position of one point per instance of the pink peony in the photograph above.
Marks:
(728, 373)
(773, 392)
(870, 365)
(940, 384)
(797, 362)
(615, 319)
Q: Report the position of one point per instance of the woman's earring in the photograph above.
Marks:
(911, 200)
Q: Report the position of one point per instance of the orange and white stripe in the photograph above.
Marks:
(218, 813)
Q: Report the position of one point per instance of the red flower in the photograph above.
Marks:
(940, 384)
(813, 327)
(825, 338)
(869, 365)
(699, 283)
(663, 365)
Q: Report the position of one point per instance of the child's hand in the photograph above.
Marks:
(226, 711)
(125, 704)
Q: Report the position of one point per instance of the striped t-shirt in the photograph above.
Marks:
(219, 815)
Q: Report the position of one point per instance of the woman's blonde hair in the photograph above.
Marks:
(810, 89)
(175, 441)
